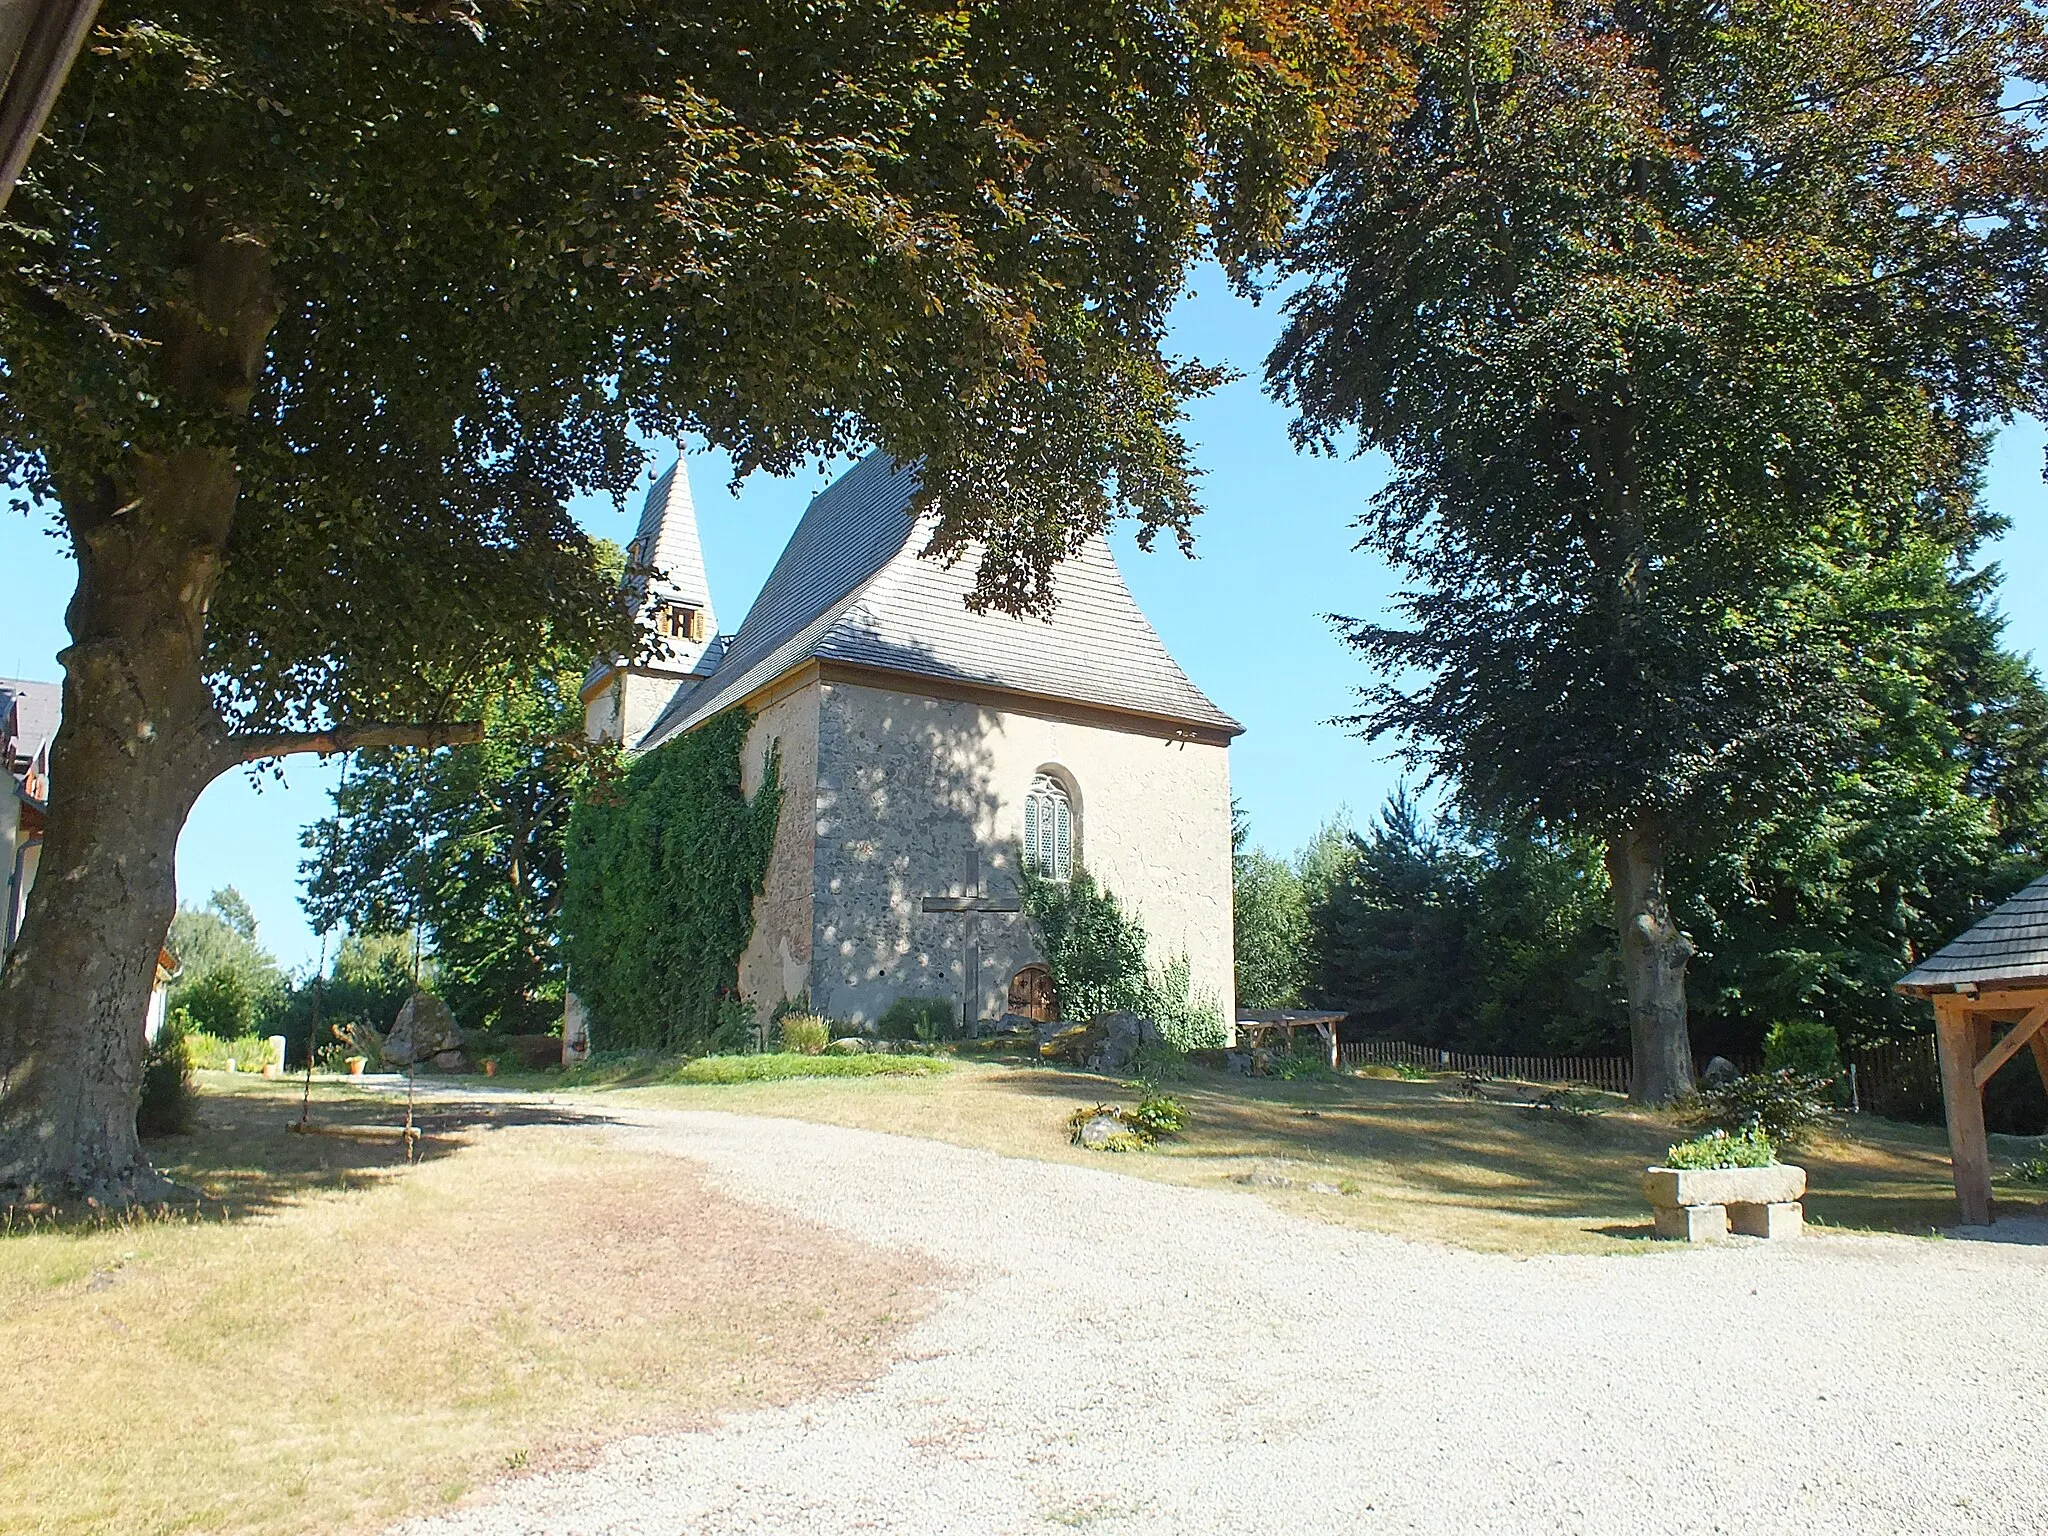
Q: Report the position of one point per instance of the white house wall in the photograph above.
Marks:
(907, 784)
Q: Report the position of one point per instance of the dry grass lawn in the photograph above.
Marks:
(342, 1339)
(1417, 1159)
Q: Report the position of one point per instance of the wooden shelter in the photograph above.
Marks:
(1995, 974)
(1256, 1028)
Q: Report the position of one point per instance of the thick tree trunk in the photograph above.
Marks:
(1653, 959)
(140, 736)
(140, 739)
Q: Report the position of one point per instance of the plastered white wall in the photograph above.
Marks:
(627, 707)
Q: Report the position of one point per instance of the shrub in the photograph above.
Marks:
(929, 1019)
(1159, 1114)
(805, 1034)
(220, 1002)
(739, 1028)
(1718, 1149)
(1162, 1063)
(1095, 953)
(207, 1052)
(1802, 1045)
(1784, 1105)
(211, 1053)
(1295, 1066)
(165, 1108)
(2029, 1170)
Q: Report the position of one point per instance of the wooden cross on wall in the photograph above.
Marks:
(968, 907)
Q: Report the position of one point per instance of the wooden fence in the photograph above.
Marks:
(1608, 1072)
(1901, 1080)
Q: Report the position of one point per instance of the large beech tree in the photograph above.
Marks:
(314, 314)
(1681, 321)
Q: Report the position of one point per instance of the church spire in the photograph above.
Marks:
(665, 576)
(670, 598)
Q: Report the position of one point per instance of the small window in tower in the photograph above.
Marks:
(678, 621)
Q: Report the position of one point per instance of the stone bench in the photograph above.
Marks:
(1699, 1205)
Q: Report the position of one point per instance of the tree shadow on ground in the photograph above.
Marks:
(1504, 1153)
(249, 1152)
(1411, 1140)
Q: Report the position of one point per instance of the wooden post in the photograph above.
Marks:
(2040, 1045)
(1969, 1154)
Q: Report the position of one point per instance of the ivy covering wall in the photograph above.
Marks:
(665, 862)
(1096, 952)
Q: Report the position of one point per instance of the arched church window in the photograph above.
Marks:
(1049, 829)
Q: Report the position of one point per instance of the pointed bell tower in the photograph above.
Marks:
(667, 592)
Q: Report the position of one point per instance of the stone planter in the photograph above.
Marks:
(1698, 1205)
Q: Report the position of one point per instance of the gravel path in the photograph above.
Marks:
(1124, 1356)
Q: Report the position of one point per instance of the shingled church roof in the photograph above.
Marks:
(2011, 944)
(850, 587)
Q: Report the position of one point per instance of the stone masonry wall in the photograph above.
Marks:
(907, 786)
(777, 961)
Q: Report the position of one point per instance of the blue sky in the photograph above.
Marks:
(1244, 617)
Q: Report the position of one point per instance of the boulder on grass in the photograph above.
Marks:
(1122, 1035)
(1101, 1133)
(423, 1030)
(1718, 1071)
(1009, 1026)
(847, 1045)
(1072, 1042)
(1255, 1062)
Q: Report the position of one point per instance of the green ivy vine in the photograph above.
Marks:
(665, 863)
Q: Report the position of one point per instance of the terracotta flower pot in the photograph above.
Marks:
(355, 1065)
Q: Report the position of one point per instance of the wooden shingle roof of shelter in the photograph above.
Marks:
(2008, 945)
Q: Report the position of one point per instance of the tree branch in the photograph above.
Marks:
(351, 738)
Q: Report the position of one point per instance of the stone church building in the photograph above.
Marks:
(927, 749)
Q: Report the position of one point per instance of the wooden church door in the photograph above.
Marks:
(1031, 994)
